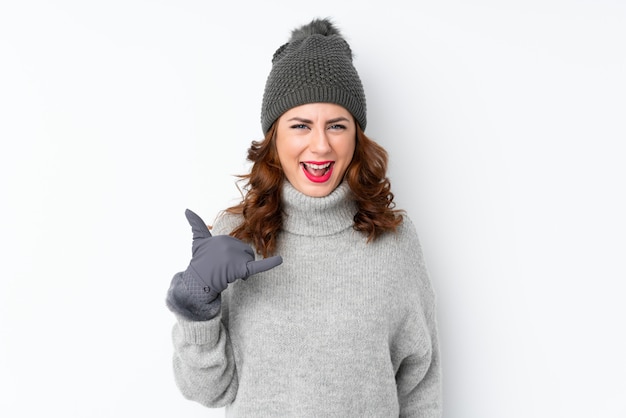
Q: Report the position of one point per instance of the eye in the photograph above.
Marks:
(337, 127)
(299, 126)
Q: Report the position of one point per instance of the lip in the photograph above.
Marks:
(320, 179)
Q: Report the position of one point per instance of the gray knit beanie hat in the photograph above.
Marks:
(314, 66)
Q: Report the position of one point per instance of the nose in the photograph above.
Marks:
(319, 142)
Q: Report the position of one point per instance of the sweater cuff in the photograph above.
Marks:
(200, 332)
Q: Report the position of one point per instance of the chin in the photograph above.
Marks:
(317, 190)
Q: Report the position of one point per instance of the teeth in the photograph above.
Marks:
(317, 166)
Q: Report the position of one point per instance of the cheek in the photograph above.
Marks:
(346, 150)
(281, 148)
(288, 150)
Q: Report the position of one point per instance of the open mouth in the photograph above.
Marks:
(317, 172)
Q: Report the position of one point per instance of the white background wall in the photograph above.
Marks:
(505, 125)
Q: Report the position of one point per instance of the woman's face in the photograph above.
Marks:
(315, 144)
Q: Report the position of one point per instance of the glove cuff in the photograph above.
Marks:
(179, 301)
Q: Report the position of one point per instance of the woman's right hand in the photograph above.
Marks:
(216, 262)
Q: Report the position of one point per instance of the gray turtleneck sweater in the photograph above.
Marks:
(343, 328)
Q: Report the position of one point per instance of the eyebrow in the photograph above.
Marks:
(335, 120)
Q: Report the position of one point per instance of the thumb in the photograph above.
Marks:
(198, 227)
(257, 266)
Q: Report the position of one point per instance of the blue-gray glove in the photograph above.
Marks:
(216, 262)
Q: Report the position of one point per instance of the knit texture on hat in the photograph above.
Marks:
(314, 66)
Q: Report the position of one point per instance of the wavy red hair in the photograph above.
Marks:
(261, 205)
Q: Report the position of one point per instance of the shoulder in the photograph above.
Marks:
(402, 244)
(225, 223)
(406, 232)
(408, 251)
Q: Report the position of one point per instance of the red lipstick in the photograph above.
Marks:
(318, 171)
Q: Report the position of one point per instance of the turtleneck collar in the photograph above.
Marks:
(318, 216)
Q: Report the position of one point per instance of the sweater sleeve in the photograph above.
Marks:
(419, 377)
(204, 365)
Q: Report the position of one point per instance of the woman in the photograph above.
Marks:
(310, 297)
